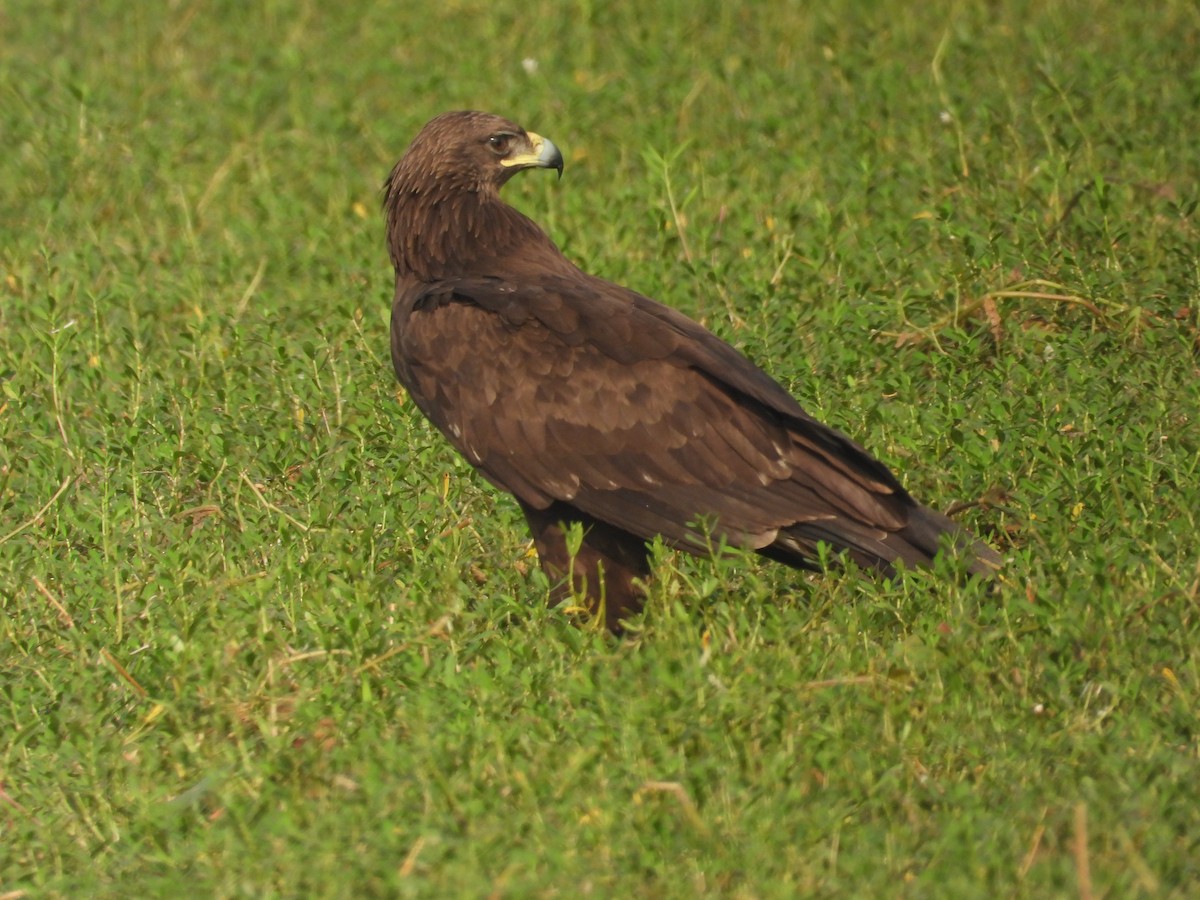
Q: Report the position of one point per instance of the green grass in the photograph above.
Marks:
(263, 634)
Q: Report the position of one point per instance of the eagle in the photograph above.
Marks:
(607, 414)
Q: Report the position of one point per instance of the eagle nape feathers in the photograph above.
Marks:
(593, 404)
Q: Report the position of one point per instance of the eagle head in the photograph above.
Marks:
(476, 151)
(442, 200)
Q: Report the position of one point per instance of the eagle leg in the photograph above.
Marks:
(603, 571)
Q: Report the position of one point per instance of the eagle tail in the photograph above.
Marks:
(924, 535)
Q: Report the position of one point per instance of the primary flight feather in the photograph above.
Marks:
(593, 404)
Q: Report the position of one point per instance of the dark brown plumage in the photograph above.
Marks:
(591, 403)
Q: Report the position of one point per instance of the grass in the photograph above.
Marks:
(264, 634)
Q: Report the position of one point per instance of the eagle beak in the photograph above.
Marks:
(542, 154)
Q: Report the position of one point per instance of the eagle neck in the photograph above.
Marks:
(435, 235)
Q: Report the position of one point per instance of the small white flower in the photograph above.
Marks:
(529, 64)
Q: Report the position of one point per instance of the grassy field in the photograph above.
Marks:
(262, 633)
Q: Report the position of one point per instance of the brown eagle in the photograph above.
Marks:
(592, 404)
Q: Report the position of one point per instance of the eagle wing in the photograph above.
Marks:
(576, 390)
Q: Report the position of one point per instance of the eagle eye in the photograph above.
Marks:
(500, 143)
